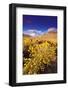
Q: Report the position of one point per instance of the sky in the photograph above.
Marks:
(36, 25)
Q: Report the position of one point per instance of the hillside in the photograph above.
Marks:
(50, 36)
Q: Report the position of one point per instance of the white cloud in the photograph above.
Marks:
(52, 29)
(33, 32)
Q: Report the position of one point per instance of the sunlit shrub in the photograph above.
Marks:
(41, 54)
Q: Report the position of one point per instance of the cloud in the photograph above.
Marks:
(52, 29)
(33, 32)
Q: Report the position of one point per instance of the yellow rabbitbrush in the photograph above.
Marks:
(40, 55)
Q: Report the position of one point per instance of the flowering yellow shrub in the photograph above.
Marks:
(40, 54)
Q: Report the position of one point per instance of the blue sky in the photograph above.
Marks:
(38, 24)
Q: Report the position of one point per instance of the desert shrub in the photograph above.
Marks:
(40, 54)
